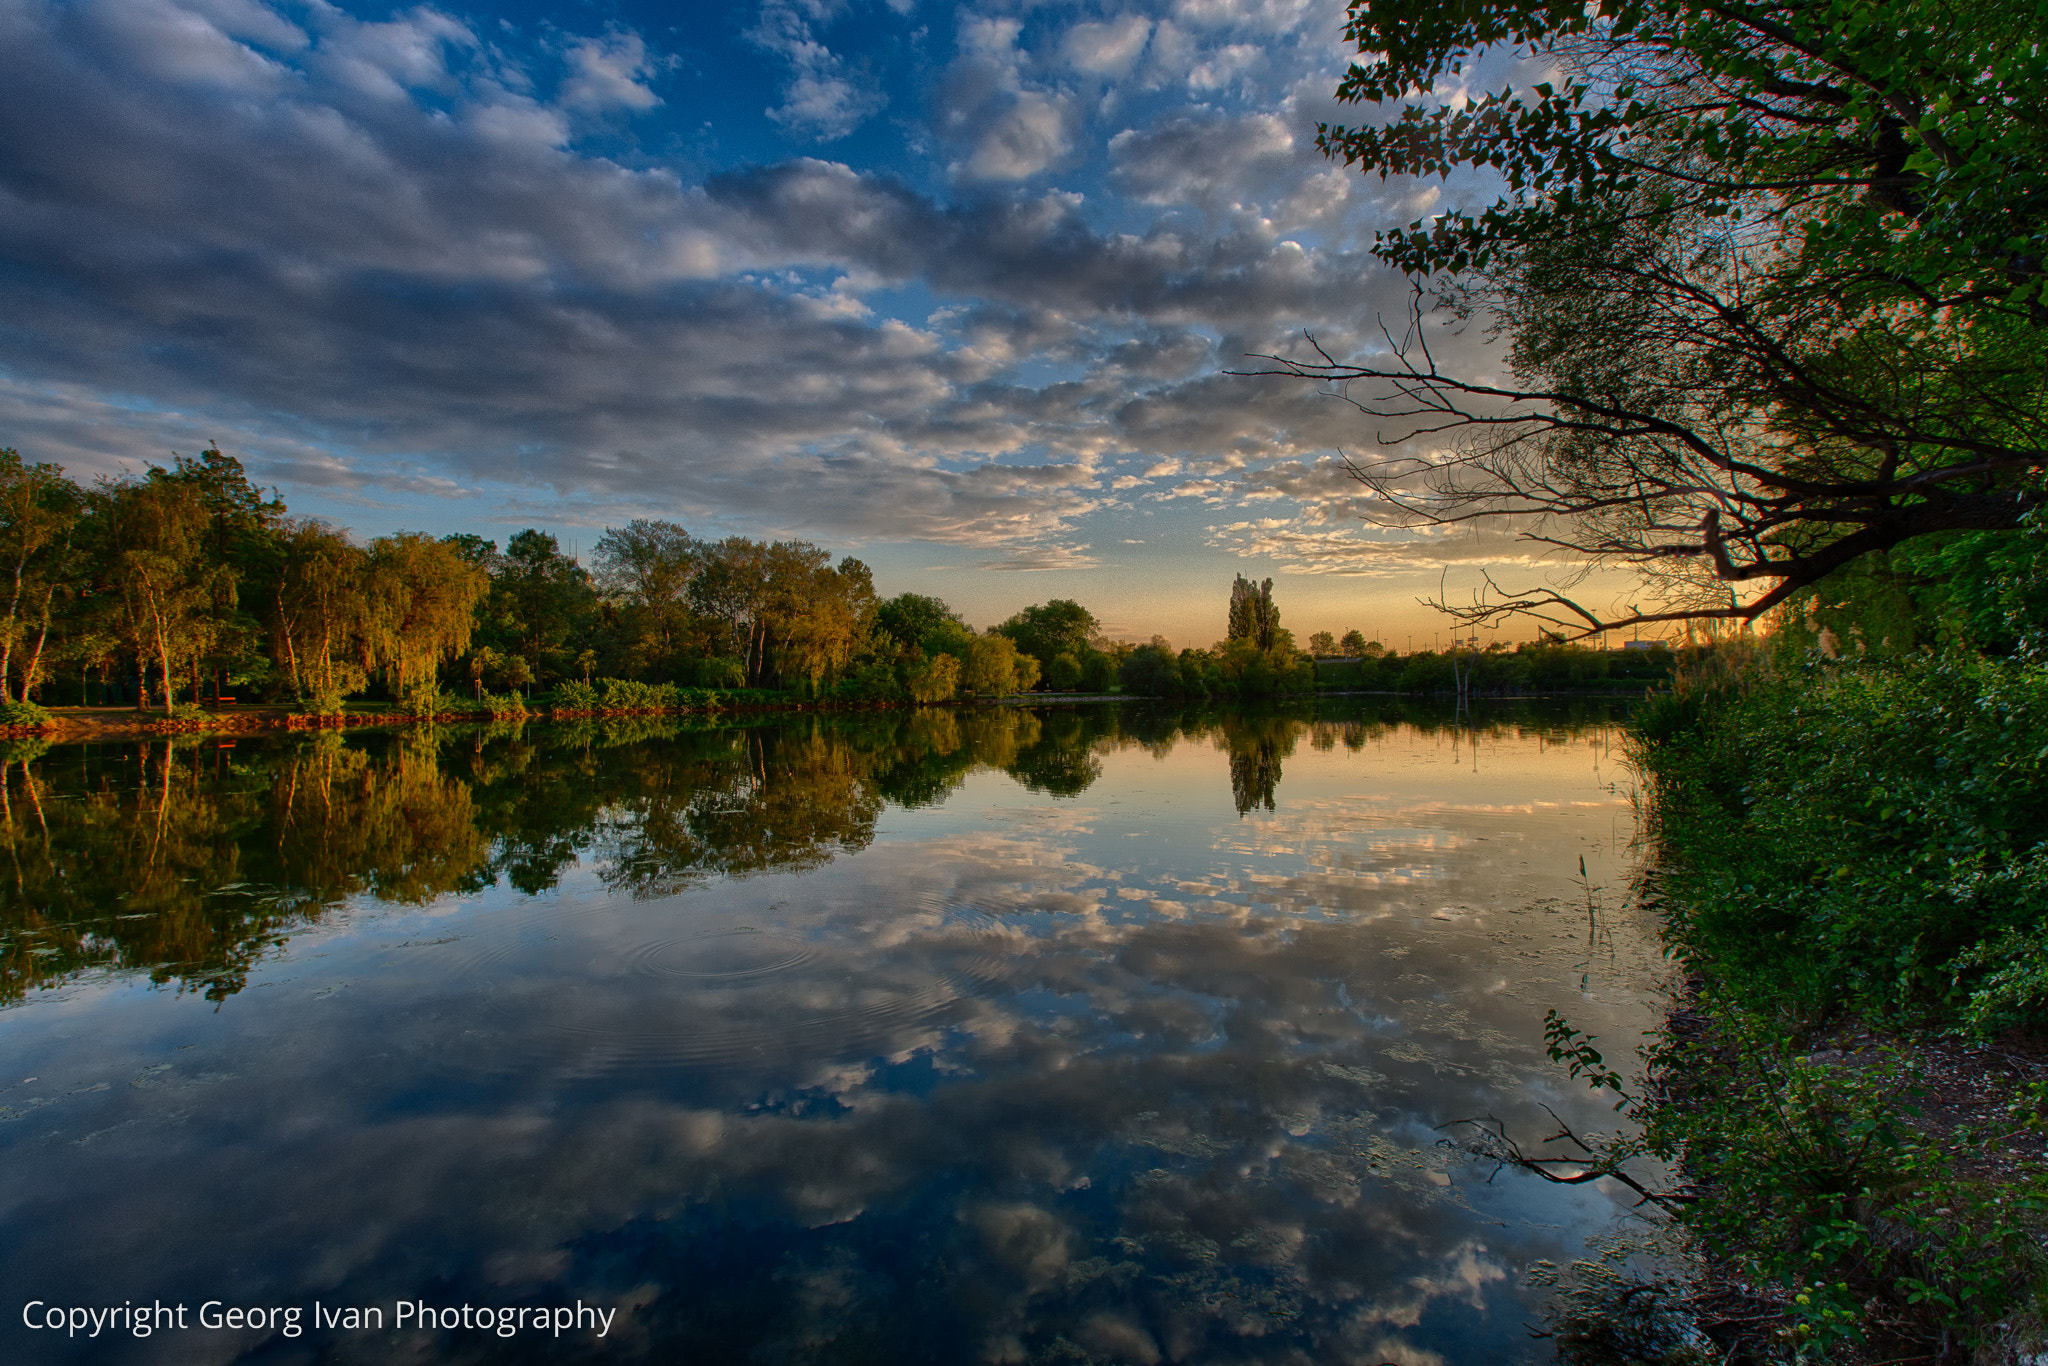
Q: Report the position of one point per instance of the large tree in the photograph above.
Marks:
(1772, 274)
(644, 570)
(420, 601)
(39, 508)
(1045, 631)
(154, 577)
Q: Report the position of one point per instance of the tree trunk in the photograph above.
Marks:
(7, 640)
(35, 660)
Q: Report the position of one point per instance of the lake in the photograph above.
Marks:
(1070, 1034)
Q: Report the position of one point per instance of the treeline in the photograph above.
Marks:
(187, 585)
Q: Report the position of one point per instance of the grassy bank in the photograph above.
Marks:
(1853, 860)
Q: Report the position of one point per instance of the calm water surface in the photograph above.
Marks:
(1113, 1035)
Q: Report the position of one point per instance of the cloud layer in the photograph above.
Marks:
(422, 255)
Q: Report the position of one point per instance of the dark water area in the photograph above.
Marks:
(1086, 1034)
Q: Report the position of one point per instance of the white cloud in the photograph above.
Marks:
(606, 73)
(1106, 49)
(824, 99)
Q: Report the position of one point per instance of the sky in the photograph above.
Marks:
(953, 289)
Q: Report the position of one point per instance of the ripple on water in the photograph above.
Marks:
(725, 955)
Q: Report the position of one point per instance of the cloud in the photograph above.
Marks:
(1106, 49)
(422, 275)
(1201, 158)
(1369, 552)
(1011, 128)
(1041, 559)
(606, 73)
(824, 99)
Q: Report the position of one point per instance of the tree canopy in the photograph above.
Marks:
(1772, 275)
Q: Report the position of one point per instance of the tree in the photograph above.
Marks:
(1253, 616)
(1322, 643)
(154, 573)
(912, 620)
(1353, 644)
(817, 610)
(1047, 631)
(319, 613)
(645, 567)
(241, 543)
(540, 598)
(933, 679)
(731, 589)
(996, 667)
(39, 507)
(421, 601)
(1152, 671)
(1773, 275)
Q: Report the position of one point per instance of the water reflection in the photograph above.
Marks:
(985, 1035)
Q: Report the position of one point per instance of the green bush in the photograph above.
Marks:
(1861, 836)
(501, 704)
(424, 701)
(24, 714)
(624, 694)
(576, 695)
(1813, 1178)
(328, 703)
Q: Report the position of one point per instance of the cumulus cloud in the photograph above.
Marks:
(421, 275)
(1106, 49)
(1199, 157)
(607, 73)
(824, 98)
(1012, 128)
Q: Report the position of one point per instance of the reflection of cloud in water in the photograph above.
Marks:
(988, 1089)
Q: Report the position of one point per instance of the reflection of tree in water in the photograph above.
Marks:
(1062, 761)
(744, 802)
(1257, 743)
(175, 857)
(190, 858)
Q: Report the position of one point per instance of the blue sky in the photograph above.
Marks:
(953, 289)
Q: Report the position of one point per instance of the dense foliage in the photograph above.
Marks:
(1853, 862)
(1772, 276)
(1863, 838)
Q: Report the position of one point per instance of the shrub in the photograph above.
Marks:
(624, 694)
(502, 704)
(576, 695)
(1859, 835)
(25, 714)
(423, 700)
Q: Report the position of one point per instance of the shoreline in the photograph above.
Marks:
(74, 725)
(87, 724)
